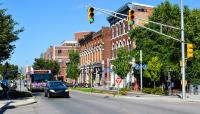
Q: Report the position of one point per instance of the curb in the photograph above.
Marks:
(91, 93)
(138, 98)
(24, 104)
(14, 105)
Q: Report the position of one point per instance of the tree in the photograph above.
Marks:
(53, 66)
(9, 70)
(168, 50)
(8, 35)
(42, 64)
(153, 70)
(72, 67)
(121, 63)
(193, 36)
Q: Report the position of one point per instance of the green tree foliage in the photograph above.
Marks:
(8, 35)
(153, 71)
(168, 50)
(193, 36)
(42, 64)
(121, 63)
(72, 67)
(9, 70)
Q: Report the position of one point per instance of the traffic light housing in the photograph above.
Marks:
(131, 17)
(189, 51)
(91, 15)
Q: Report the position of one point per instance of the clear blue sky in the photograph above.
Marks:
(49, 22)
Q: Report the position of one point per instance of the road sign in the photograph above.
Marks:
(144, 66)
(118, 80)
(137, 66)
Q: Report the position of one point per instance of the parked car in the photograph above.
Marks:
(56, 88)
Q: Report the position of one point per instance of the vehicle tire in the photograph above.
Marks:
(67, 96)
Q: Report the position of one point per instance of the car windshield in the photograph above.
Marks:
(56, 84)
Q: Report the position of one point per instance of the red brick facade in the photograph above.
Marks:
(79, 35)
(120, 30)
(95, 50)
(60, 53)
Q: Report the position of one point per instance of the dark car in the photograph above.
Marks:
(56, 88)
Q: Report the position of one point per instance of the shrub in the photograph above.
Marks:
(157, 90)
(147, 90)
(124, 91)
(19, 94)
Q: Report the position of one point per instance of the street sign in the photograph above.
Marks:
(144, 66)
(118, 80)
(137, 66)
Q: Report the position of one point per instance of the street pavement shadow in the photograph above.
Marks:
(5, 107)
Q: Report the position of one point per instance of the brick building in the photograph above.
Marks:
(60, 53)
(95, 52)
(120, 29)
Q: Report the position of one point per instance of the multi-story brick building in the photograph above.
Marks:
(95, 52)
(120, 29)
(60, 53)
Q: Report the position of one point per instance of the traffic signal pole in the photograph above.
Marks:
(183, 51)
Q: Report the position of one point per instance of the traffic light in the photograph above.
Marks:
(91, 15)
(189, 51)
(131, 17)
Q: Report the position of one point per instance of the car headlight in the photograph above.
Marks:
(67, 90)
(52, 90)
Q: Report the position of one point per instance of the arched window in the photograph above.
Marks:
(116, 30)
(121, 28)
(124, 27)
(113, 32)
(124, 42)
(120, 43)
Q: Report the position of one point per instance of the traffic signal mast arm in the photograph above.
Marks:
(114, 14)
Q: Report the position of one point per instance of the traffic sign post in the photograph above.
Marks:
(118, 81)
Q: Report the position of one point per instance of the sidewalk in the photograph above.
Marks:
(133, 95)
(4, 104)
(15, 103)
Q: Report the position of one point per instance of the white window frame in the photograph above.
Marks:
(117, 30)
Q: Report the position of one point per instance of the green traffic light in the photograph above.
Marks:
(91, 20)
(131, 22)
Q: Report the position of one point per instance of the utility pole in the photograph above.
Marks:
(183, 51)
(141, 71)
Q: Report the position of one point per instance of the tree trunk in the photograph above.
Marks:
(154, 84)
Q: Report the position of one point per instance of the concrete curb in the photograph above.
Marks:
(18, 103)
(161, 98)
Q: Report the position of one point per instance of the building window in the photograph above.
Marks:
(124, 43)
(113, 32)
(142, 10)
(124, 27)
(117, 30)
(59, 60)
(117, 45)
(120, 43)
(121, 28)
(59, 51)
(113, 51)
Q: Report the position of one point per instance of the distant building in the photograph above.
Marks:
(120, 29)
(60, 53)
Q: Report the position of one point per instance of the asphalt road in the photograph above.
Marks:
(91, 104)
